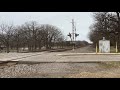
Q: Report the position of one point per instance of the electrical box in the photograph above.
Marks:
(104, 46)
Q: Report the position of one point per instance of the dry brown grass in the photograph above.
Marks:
(108, 65)
(95, 75)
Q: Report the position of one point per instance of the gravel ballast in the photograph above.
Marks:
(44, 70)
(57, 70)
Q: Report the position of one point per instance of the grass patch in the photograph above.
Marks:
(113, 49)
(113, 64)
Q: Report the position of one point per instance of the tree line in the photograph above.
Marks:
(106, 24)
(30, 35)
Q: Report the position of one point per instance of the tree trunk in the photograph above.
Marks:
(7, 47)
(17, 45)
(17, 48)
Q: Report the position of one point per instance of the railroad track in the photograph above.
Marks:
(3, 64)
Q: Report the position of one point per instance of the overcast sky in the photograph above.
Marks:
(60, 19)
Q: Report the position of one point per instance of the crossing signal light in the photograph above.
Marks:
(76, 35)
(69, 35)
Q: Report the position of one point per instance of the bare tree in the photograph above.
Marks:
(6, 34)
(51, 35)
(30, 35)
(106, 25)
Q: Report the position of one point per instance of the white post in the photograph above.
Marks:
(116, 48)
(96, 48)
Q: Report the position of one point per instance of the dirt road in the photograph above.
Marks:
(87, 49)
(67, 56)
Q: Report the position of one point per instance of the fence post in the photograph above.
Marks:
(116, 47)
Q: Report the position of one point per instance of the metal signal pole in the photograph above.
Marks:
(72, 29)
(73, 33)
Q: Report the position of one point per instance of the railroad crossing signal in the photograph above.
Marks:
(73, 35)
(69, 35)
(76, 34)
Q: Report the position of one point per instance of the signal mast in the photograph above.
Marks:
(73, 35)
